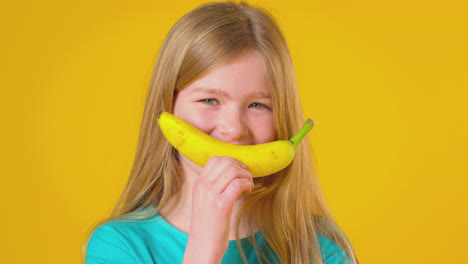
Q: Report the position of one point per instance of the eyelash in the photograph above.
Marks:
(209, 99)
(262, 105)
(205, 100)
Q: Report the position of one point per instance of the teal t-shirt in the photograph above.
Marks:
(154, 240)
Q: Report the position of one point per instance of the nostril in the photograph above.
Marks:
(232, 127)
(234, 134)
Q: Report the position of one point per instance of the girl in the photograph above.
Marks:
(226, 69)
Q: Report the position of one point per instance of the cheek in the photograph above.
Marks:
(199, 121)
(195, 118)
(184, 108)
(264, 131)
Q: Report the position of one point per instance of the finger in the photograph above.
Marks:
(228, 175)
(225, 159)
(216, 165)
(211, 173)
(234, 189)
(235, 161)
(213, 167)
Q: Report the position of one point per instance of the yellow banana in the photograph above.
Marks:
(261, 159)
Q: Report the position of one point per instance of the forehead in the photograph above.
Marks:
(245, 74)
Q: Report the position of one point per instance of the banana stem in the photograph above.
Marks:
(296, 139)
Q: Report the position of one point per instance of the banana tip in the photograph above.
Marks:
(311, 122)
(159, 114)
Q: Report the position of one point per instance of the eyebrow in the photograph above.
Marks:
(257, 95)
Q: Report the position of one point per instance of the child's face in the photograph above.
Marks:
(231, 103)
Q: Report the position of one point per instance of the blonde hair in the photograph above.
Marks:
(209, 36)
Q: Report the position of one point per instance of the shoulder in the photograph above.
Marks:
(332, 253)
(115, 241)
(108, 244)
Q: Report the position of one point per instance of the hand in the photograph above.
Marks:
(218, 186)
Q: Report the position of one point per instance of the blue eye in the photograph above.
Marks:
(258, 105)
(209, 101)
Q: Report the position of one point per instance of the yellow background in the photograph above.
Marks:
(385, 81)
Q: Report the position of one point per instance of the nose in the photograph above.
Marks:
(232, 126)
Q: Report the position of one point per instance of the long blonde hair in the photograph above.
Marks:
(209, 36)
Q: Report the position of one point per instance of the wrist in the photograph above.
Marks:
(203, 251)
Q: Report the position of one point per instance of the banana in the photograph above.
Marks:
(261, 159)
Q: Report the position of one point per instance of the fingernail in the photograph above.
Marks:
(243, 165)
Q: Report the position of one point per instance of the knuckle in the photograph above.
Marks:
(233, 172)
(235, 161)
(233, 169)
(238, 184)
(248, 174)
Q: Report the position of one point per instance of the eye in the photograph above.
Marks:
(258, 105)
(209, 101)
